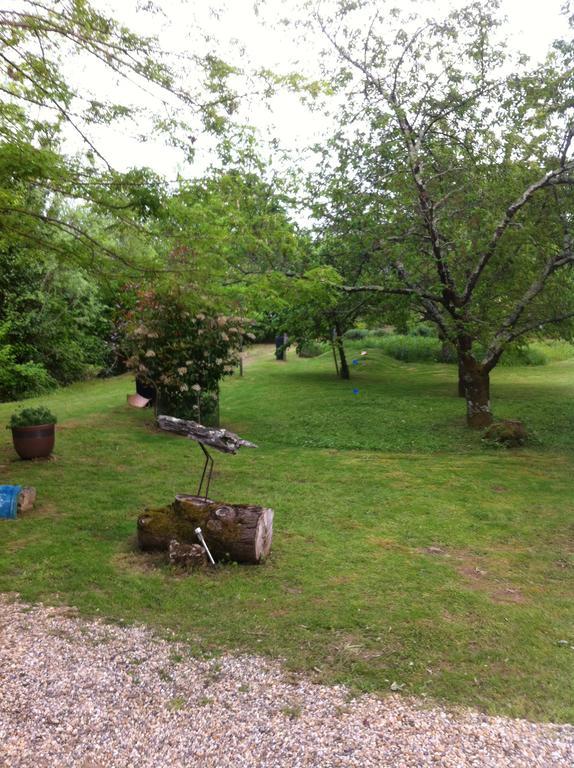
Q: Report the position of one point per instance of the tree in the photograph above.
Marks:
(465, 171)
(42, 109)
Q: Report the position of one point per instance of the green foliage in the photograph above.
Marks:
(310, 348)
(30, 417)
(53, 322)
(523, 355)
(428, 349)
(423, 330)
(356, 333)
(554, 350)
(21, 380)
(409, 349)
(41, 183)
(182, 351)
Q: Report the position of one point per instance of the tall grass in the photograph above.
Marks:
(426, 349)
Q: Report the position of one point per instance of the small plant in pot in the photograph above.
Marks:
(33, 432)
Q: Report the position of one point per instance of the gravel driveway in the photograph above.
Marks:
(89, 695)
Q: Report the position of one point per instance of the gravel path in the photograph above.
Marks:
(92, 695)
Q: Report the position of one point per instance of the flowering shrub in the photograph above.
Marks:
(182, 352)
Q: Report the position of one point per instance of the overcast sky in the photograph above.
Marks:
(532, 25)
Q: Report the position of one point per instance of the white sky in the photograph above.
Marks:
(533, 24)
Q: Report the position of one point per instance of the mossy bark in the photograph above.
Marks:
(477, 393)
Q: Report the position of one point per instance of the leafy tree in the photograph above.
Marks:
(464, 174)
(42, 106)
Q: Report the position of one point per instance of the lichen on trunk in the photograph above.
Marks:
(476, 381)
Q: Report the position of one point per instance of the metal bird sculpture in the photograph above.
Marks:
(221, 439)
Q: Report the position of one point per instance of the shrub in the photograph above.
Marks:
(555, 350)
(355, 334)
(421, 329)
(183, 352)
(409, 349)
(21, 380)
(311, 348)
(517, 356)
(31, 417)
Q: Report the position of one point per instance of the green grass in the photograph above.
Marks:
(362, 485)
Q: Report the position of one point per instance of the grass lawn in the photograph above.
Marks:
(404, 551)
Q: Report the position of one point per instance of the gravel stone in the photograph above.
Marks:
(93, 695)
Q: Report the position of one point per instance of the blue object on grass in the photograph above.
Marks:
(9, 500)
(355, 391)
(355, 362)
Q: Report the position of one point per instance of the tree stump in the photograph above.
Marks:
(191, 556)
(239, 532)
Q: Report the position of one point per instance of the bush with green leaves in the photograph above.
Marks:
(53, 324)
(355, 334)
(423, 330)
(32, 417)
(311, 348)
(182, 351)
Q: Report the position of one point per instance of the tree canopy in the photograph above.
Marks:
(452, 173)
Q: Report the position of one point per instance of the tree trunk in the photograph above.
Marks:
(461, 386)
(477, 393)
(344, 367)
(335, 354)
(240, 532)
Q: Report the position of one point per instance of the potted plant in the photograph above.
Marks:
(33, 432)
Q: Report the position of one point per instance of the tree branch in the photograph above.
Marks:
(505, 222)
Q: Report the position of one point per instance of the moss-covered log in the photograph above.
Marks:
(239, 532)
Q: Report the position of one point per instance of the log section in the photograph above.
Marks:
(240, 532)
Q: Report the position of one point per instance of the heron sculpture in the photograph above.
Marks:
(221, 439)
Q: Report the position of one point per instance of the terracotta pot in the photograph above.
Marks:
(34, 442)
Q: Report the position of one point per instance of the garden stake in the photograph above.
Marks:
(199, 535)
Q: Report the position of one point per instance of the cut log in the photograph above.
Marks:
(191, 556)
(239, 532)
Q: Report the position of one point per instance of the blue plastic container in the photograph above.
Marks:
(9, 500)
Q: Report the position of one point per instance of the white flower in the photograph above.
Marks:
(183, 387)
(225, 337)
(196, 388)
(182, 370)
(150, 353)
(250, 336)
(200, 316)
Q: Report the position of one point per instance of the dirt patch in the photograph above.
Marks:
(496, 590)
(434, 551)
(479, 574)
